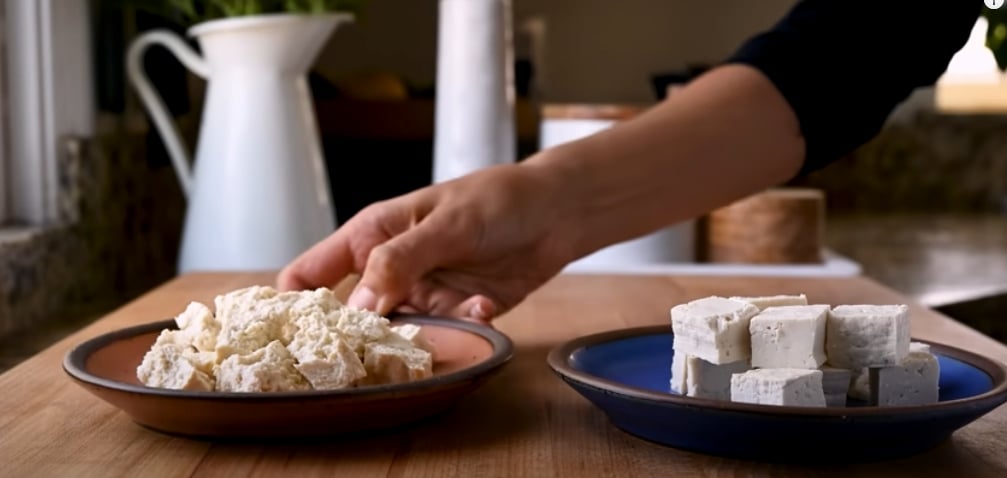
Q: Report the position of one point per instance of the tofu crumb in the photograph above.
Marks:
(263, 340)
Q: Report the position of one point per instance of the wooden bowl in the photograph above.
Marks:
(467, 354)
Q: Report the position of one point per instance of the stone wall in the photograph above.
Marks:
(931, 163)
(121, 223)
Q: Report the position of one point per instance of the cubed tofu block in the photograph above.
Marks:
(695, 377)
(789, 337)
(714, 329)
(913, 382)
(835, 384)
(764, 303)
(861, 336)
(792, 387)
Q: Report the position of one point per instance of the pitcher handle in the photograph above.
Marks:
(152, 101)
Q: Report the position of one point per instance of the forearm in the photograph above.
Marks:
(728, 134)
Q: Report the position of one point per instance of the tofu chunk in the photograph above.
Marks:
(714, 329)
(269, 369)
(862, 336)
(325, 358)
(792, 387)
(789, 337)
(695, 377)
(835, 385)
(764, 303)
(249, 319)
(388, 363)
(174, 366)
(198, 327)
(414, 335)
(913, 382)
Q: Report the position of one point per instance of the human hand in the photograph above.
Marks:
(469, 248)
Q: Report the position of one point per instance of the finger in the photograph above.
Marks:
(438, 300)
(478, 308)
(395, 267)
(407, 309)
(323, 265)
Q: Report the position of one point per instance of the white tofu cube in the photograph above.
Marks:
(695, 377)
(714, 329)
(792, 387)
(789, 337)
(835, 384)
(861, 336)
(913, 382)
(764, 303)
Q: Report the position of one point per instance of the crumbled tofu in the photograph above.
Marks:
(695, 377)
(388, 363)
(359, 327)
(861, 336)
(169, 365)
(311, 306)
(714, 329)
(915, 381)
(413, 334)
(262, 340)
(269, 369)
(198, 327)
(764, 303)
(779, 386)
(249, 319)
(789, 337)
(325, 358)
(835, 385)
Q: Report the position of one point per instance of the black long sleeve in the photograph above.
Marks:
(843, 65)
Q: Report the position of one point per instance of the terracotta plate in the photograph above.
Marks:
(626, 373)
(467, 354)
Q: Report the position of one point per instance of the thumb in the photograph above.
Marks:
(394, 267)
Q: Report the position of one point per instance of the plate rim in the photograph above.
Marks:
(503, 352)
(559, 360)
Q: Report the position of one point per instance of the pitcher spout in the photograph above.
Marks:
(288, 42)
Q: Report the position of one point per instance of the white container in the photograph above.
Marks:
(260, 193)
(475, 88)
(674, 244)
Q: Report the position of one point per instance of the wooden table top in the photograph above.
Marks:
(524, 422)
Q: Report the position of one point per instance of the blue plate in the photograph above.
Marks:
(626, 373)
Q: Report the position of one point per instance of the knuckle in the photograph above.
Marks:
(386, 261)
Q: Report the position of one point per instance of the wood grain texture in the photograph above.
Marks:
(525, 422)
(778, 226)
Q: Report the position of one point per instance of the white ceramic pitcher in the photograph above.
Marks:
(260, 194)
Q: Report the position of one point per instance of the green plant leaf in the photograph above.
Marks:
(996, 35)
(189, 12)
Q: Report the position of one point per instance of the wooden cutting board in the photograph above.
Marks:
(525, 422)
